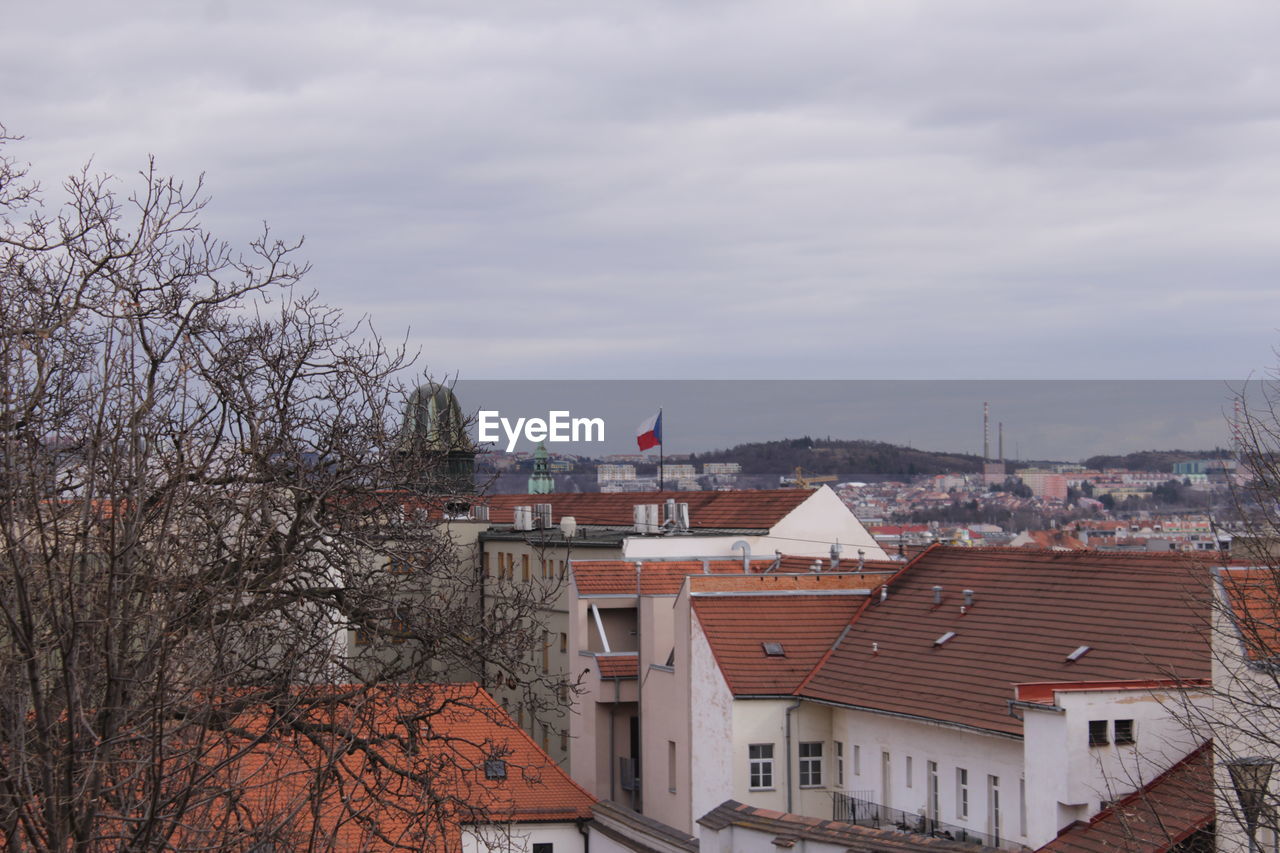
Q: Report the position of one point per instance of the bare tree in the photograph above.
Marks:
(204, 495)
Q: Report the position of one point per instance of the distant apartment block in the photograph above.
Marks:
(721, 469)
(613, 473)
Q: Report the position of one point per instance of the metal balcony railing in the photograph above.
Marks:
(853, 808)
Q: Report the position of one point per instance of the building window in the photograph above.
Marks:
(399, 566)
(1124, 732)
(932, 782)
(1098, 733)
(671, 766)
(363, 636)
(811, 764)
(760, 759)
(993, 801)
(564, 643)
(543, 847)
(564, 741)
(495, 768)
(546, 652)
(524, 567)
(857, 760)
(962, 793)
(839, 764)
(484, 558)
(909, 774)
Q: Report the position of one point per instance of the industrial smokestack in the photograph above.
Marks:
(986, 432)
(1000, 431)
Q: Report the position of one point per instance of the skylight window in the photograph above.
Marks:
(1078, 653)
(944, 638)
(495, 768)
(774, 650)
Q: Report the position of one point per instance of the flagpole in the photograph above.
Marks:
(660, 480)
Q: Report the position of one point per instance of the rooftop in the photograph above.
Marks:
(1030, 610)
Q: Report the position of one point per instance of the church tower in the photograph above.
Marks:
(541, 483)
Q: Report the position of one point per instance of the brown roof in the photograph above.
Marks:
(618, 665)
(1166, 811)
(754, 510)
(804, 625)
(852, 838)
(1139, 613)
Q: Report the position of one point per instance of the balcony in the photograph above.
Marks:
(857, 808)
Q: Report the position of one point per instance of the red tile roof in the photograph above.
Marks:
(443, 732)
(1139, 613)
(657, 577)
(665, 577)
(1166, 811)
(1253, 597)
(1053, 539)
(755, 510)
(618, 665)
(737, 627)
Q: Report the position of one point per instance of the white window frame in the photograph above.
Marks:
(810, 764)
(760, 767)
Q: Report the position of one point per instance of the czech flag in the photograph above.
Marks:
(650, 432)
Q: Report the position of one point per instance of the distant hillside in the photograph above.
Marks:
(1153, 460)
(846, 458)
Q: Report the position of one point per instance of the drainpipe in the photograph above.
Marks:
(586, 834)
(790, 708)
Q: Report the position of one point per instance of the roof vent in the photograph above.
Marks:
(523, 518)
(937, 595)
(944, 638)
(542, 516)
(1078, 653)
(774, 650)
(479, 513)
(968, 598)
(568, 527)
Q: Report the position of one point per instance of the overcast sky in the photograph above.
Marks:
(1066, 188)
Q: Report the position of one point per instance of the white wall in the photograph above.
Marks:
(1067, 779)
(710, 712)
(520, 838)
(951, 748)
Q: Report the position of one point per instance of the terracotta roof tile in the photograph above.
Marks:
(460, 727)
(666, 577)
(803, 625)
(1253, 597)
(1166, 811)
(1137, 612)
(618, 665)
